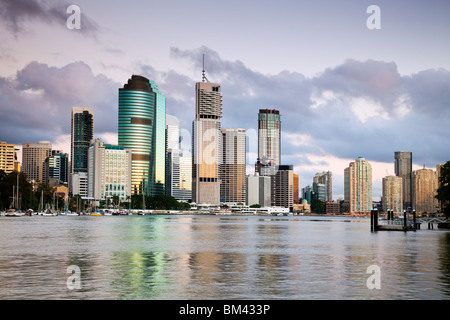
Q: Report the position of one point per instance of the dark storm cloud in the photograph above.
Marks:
(36, 104)
(17, 14)
(429, 92)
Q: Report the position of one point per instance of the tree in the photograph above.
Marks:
(318, 206)
(8, 182)
(443, 191)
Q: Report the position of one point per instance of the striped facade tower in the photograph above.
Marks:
(142, 125)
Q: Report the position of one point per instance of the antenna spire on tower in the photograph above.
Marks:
(203, 72)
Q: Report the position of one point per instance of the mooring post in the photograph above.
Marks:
(414, 219)
(371, 220)
(404, 219)
(375, 218)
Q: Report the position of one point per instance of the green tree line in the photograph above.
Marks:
(28, 199)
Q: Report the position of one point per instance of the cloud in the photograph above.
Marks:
(358, 108)
(17, 15)
(36, 103)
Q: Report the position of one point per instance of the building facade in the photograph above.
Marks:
(142, 129)
(7, 157)
(206, 143)
(284, 191)
(269, 135)
(392, 198)
(109, 171)
(425, 185)
(403, 169)
(258, 190)
(178, 163)
(325, 180)
(358, 186)
(296, 189)
(57, 168)
(233, 165)
(33, 160)
(82, 131)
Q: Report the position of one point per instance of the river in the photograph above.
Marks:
(218, 257)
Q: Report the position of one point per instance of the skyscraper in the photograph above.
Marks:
(258, 190)
(284, 181)
(403, 168)
(7, 154)
(109, 171)
(82, 131)
(358, 186)
(325, 180)
(232, 165)
(296, 189)
(178, 163)
(269, 146)
(57, 168)
(142, 128)
(425, 185)
(33, 160)
(206, 143)
(393, 194)
(269, 135)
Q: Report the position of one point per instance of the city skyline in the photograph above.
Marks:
(374, 93)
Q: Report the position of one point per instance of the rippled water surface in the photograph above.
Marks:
(218, 257)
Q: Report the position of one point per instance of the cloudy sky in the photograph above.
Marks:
(343, 90)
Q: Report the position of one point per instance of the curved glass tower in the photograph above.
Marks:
(142, 121)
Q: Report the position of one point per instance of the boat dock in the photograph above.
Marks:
(404, 223)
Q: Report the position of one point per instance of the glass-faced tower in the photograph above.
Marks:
(142, 122)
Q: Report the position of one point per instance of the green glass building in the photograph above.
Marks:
(142, 125)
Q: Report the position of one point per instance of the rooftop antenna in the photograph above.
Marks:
(203, 72)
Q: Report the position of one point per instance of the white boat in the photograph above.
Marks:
(13, 213)
(49, 214)
(72, 214)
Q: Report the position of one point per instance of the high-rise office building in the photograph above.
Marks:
(320, 191)
(324, 182)
(7, 157)
(82, 131)
(403, 168)
(232, 165)
(109, 171)
(308, 194)
(269, 135)
(284, 181)
(269, 146)
(33, 160)
(206, 143)
(142, 128)
(296, 189)
(393, 194)
(258, 190)
(358, 186)
(57, 168)
(425, 185)
(178, 163)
